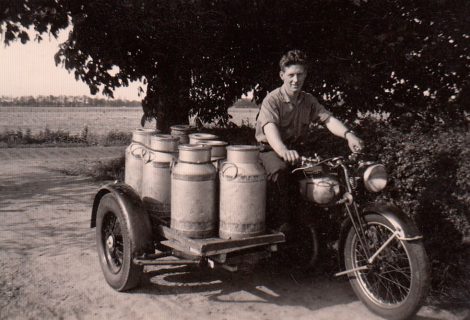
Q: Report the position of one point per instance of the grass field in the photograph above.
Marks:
(99, 120)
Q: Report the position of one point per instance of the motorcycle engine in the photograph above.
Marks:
(321, 189)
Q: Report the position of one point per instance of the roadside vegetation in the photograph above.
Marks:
(65, 101)
(61, 138)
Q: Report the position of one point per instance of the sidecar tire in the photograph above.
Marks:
(114, 246)
(363, 282)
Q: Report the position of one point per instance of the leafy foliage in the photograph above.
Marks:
(428, 170)
(197, 57)
(431, 182)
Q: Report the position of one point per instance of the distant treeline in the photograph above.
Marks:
(67, 101)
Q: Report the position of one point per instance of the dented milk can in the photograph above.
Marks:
(182, 131)
(193, 187)
(134, 153)
(156, 178)
(242, 193)
(199, 137)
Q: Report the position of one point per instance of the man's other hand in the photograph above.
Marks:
(290, 156)
(355, 143)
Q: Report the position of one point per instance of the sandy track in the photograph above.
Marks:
(49, 266)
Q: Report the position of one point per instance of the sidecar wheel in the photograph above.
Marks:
(396, 283)
(114, 246)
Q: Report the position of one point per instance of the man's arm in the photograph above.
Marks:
(274, 138)
(339, 129)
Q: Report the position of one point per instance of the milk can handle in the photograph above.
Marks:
(147, 153)
(226, 166)
(136, 147)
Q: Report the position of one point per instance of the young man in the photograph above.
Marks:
(283, 121)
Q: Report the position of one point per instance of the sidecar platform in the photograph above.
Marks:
(215, 246)
(227, 253)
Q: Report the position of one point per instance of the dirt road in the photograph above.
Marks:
(49, 266)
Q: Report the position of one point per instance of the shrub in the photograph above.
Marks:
(100, 170)
(430, 180)
(116, 138)
(10, 138)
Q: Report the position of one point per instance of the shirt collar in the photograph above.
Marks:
(286, 98)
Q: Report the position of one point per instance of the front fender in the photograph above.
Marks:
(397, 218)
(140, 228)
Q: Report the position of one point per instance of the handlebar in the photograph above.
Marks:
(334, 162)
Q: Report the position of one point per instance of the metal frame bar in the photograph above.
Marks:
(382, 247)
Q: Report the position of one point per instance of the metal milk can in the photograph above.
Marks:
(181, 131)
(156, 177)
(193, 187)
(218, 151)
(142, 135)
(198, 137)
(133, 155)
(242, 207)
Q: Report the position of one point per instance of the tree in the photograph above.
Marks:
(197, 56)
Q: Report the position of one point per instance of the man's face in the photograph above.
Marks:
(293, 77)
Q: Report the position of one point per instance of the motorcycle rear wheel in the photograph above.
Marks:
(303, 246)
(396, 283)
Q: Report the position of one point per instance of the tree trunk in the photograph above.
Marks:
(167, 98)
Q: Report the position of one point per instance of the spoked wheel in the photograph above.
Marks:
(112, 237)
(396, 283)
(114, 247)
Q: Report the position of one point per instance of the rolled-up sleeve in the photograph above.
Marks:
(269, 113)
(319, 112)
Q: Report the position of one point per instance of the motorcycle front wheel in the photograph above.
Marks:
(396, 283)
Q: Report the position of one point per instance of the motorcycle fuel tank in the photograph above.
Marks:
(322, 190)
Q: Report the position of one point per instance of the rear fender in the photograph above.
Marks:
(397, 218)
(140, 228)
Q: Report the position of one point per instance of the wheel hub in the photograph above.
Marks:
(110, 242)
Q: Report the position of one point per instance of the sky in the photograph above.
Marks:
(30, 69)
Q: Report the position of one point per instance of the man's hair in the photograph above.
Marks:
(293, 57)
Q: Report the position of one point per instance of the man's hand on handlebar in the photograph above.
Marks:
(355, 143)
(291, 156)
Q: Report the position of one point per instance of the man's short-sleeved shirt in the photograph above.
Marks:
(291, 120)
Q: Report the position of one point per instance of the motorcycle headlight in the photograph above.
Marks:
(375, 178)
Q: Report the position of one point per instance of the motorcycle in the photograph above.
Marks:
(381, 251)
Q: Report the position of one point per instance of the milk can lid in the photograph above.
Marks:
(213, 142)
(203, 135)
(162, 136)
(193, 147)
(145, 131)
(241, 147)
(182, 127)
